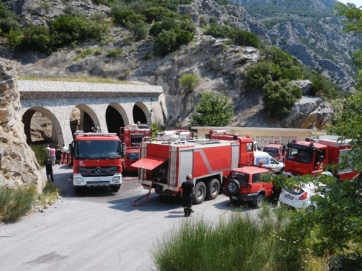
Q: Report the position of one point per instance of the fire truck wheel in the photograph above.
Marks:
(258, 202)
(115, 188)
(200, 192)
(233, 187)
(213, 189)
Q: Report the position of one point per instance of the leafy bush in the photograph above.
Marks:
(69, 29)
(189, 81)
(8, 20)
(279, 97)
(40, 153)
(347, 262)
(155, 14)
(139, 30)
(214, 109)
(122, 17)
(218, 31)
(244, 38)
(37, 37)
(170, 40)
(166, 24)
(261, 73)
(15, 203)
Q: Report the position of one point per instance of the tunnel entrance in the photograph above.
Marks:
(114, 120)
(138, 114)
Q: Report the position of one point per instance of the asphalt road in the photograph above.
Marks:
(98, 230)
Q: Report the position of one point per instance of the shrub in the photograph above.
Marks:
(189, 81)
(114, 52)
(155, 14)
(165, 42)
(244, 38)
(15, 203)
(214, 109)
(36, 37)
(260, 74)
(139, 30)
(166, 24)
(122, 17)
(279, 97)
(40, 153)
(218, 31)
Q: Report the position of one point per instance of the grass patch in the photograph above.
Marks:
(40, 153)
(15, 203)
(83, 54)
(236, 241)
(114, 52)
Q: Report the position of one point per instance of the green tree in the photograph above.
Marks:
(139, 30)
(214, 109)
(261, 73)
(189, 81)
(279, 97)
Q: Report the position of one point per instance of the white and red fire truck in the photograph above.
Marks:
(311, 156)
(97, 160)
(132, 136)
(165, 164)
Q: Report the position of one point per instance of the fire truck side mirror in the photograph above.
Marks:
(71, 149)
(123, 149)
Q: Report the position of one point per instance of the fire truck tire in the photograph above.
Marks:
(258, 202)
(115, 188)
(78, 189)
(200, 192)
(213, 189)
(233, 187)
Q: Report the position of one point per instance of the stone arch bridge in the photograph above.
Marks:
(107, 106)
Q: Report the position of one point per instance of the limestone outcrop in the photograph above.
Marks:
(18, 164)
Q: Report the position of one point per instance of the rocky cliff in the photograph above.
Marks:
(18, 164)
(310, 32)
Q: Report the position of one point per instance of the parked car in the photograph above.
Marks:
(299, 197)
(246, 184)
(265, 160)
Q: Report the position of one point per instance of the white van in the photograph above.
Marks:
(268, 161)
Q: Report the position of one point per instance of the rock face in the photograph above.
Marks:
(18, 162)
(309, 31)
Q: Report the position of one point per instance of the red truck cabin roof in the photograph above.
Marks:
(97, 136)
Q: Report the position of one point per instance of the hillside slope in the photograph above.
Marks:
(219, 65)
(309, 31)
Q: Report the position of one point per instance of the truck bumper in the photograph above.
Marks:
(243, 197)
(115, 180)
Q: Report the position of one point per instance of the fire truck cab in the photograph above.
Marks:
(310, 156)
(97, 160)
(132, 136)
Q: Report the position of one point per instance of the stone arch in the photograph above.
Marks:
(88, 118)
(141, 113)
(116, 117)
(27, 116)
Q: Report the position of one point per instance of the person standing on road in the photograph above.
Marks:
(58, 153)
(52, 153)
(49, 169)
(187, 191)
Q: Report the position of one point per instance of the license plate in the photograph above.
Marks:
(98, 179)
(288, 196)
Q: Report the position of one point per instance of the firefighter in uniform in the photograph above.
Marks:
(187, 191)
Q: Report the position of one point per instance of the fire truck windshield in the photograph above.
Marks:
(97, 149)
(300, 155)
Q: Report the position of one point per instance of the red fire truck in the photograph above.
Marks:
(132, 136)
(97, 160)
(246, 145)
(310, 157)
(164, 165)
